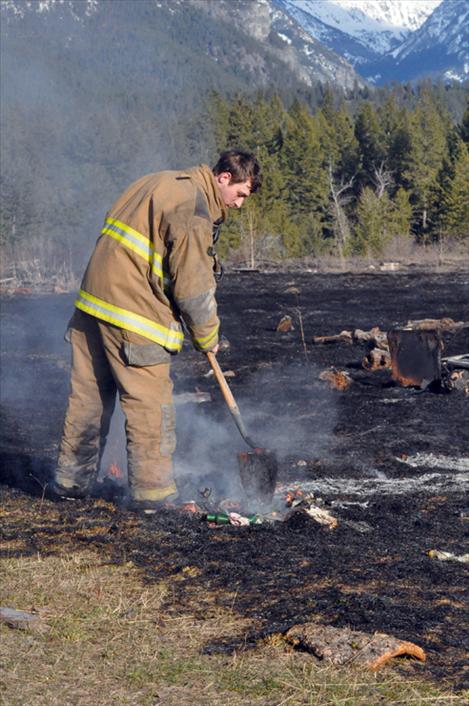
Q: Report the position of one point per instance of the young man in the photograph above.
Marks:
(153, 266)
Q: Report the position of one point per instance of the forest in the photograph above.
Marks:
(344, 174)
(346, 182)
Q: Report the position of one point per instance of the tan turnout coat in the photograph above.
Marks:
(153, 263)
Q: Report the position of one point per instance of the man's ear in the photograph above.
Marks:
(224, 178)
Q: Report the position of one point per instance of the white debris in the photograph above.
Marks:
(430, 460)
(448, 556)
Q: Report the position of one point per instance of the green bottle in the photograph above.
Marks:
(219, 518)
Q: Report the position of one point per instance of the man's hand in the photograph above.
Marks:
(215, 350)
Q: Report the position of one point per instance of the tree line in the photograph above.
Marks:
(347, 182)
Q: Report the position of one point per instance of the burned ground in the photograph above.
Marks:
(372, 572)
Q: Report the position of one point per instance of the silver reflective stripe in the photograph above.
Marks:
(166, 337)
(135, 241)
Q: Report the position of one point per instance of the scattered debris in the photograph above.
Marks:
(337, 379)
(307, 503)
(342, 337)
(232, 518)
(444, 324)
(389, 266)
(430, 460)
(192, 397)
(459, 380)
(374, 337)
(344, 646)
(20, 620)
(285, 325)
(224, 345)
(358, 525)
(226, 374)
(457, 361)
(190, 506)
(448, 556)
(415, 356)
(377, 359)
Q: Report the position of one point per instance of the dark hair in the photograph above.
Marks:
(241, 165)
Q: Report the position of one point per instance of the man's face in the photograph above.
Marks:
(233, 195)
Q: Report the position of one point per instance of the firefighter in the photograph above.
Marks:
(154, 268)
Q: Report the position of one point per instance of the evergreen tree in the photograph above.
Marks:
(371, 141)
(372, 230)
(454, 195)
(400, 214)
(305, 186)
(427, 151)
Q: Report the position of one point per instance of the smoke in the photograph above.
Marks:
(285, 411)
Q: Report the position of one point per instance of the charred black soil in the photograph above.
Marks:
(372, 572)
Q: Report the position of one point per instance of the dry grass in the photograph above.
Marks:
(112, 639)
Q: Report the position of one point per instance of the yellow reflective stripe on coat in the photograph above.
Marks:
(207, 341)
(135, 241)
(166, 337)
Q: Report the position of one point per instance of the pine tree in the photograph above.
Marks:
(372, 230)
(371, 141)
(400, 214)
(427, 151)
(454, 195)
(302, 162)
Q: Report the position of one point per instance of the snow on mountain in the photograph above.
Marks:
(441, 45)
(375, 26)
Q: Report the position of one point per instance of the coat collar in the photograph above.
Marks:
(203, 177)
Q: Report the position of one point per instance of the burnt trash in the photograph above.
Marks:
(416, 357)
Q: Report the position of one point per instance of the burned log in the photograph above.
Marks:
(374, 337)
(377, 359)
(344, 646)
(444, 324)
(415, 356)
(342, 337)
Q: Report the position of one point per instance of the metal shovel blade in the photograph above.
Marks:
(258, 472)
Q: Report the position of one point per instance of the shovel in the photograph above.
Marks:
(258, 468)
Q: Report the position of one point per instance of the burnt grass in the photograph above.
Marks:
(288, 572)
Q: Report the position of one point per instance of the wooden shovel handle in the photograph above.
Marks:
(227, 394)
(230, 400)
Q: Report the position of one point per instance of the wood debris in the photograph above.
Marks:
(336, 379)
(448, 556)
(192, 397)
(374, 337)
(377, 359)
(342, 337)
(21, 620)
(459, 380)
(444, 324)
(285, 324)
(342, 646)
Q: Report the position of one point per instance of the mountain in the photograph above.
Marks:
(96, 93)
(439, 48)
(252, 40)
(391, 40)
(360, 30)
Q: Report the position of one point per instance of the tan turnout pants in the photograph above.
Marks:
(99, 370)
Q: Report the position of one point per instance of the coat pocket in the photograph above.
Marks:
(140, 355)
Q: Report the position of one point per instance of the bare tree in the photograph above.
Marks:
(382, 179)
(339, 199)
